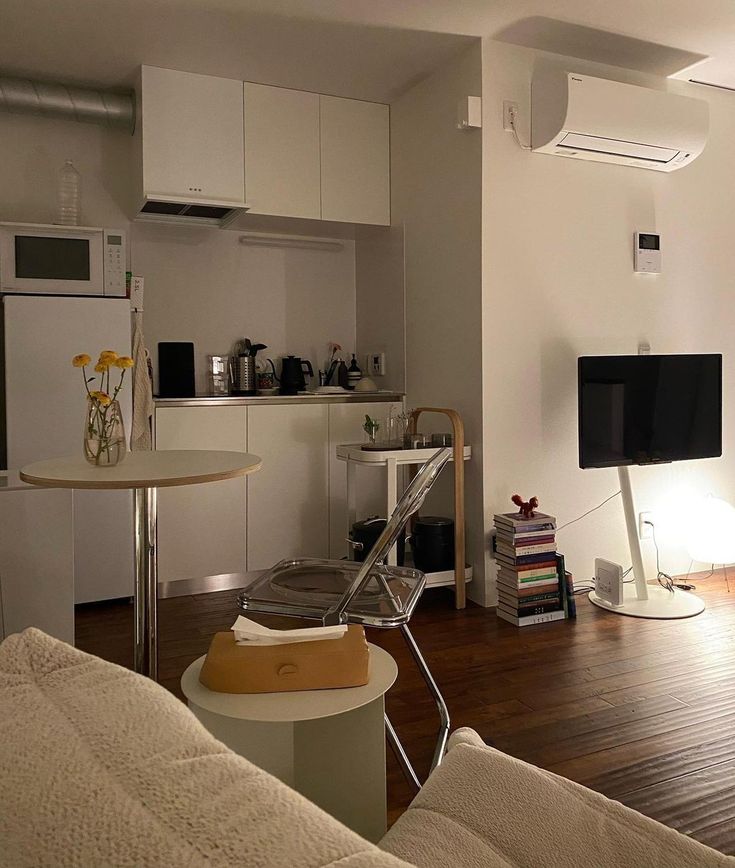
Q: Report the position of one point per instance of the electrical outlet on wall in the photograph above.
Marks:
(376, 364)
(645, 531)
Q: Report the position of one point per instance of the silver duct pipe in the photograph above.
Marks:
(61, 101)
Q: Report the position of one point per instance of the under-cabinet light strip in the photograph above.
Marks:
(262, 239)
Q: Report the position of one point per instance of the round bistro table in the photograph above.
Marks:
(144, 472)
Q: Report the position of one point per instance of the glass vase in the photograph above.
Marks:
(104, 434)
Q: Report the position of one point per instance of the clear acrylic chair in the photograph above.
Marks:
(369, 593)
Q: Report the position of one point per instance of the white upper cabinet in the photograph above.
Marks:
(282, 166)
(192, 137)
(355, 160)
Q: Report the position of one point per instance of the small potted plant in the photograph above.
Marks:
(370, 427)
(104, 430)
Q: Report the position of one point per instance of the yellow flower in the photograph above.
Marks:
(81, 360)
(101, 367)
(108, 356)
(123, 362)
(102, 397)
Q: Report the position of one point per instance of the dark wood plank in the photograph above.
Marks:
(663, 768)
(643, 711)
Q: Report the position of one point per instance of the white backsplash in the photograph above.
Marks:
(202, 285)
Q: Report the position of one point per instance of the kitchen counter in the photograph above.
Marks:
(310, 398)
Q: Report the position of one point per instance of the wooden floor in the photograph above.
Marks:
(643, 711)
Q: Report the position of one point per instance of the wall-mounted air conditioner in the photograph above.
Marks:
(591, 118)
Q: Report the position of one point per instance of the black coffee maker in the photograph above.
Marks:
(293, 370)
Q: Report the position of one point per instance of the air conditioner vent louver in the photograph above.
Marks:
(608, 121)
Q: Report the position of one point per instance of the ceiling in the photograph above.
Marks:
(371, 49)
(103, 42)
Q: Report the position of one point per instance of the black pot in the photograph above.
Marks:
(432, 543)
(364, 535)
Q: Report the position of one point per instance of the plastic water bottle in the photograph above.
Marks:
(68, 208)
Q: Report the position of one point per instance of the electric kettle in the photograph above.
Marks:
(293, 369)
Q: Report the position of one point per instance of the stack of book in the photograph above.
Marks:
(531, 582)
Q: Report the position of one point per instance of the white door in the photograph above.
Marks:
(282, 174)
(192, 129)
(45, 405)
(288, 510)
(355, 156)
(201, 528)
(345, 426)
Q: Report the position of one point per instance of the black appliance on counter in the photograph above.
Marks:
(176, 369)
(293, 369)
(364, 534)
(432, 543)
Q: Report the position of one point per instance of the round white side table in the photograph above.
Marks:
(327, 744)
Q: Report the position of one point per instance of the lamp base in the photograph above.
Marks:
(661, 604)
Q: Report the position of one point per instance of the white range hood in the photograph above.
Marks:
(189, 147)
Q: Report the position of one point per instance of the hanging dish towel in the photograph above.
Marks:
(140, 437)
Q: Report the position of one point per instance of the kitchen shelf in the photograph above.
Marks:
(355, 452)
(446, 578)
(253, 400)
(391, 459)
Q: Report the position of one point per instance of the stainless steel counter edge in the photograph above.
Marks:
(255, 400)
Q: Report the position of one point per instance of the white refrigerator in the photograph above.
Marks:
(42, 412)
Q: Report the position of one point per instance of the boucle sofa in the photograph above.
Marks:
(101, 767)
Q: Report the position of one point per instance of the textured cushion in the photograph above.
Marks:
(101, 767)
(486, 809)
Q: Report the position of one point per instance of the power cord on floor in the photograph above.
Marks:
(664, 579)
(585, 589)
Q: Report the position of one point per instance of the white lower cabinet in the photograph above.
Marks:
(201, 528)
(295, 506)
(288, 514)
(345, 426)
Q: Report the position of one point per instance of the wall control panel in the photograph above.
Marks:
(647, 253)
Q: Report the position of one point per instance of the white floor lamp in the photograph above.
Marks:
(641, 600)
(711, 533)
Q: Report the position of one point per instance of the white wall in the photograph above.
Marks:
(436, 195)
(381, 316)
(202, 285)
(558, 282)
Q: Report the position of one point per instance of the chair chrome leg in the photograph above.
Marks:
(403, 761)
(441, 705)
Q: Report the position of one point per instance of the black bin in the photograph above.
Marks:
(432, 543)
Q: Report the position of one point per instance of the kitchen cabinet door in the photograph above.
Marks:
(282, 173)
(345, 426)
(201, 528)
(355, 158)
(288, 509)
(192, 129)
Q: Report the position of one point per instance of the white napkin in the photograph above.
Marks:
(247, 632)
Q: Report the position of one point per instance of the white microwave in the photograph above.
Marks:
(38, 259)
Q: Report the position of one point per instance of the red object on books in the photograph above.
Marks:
(525, 508)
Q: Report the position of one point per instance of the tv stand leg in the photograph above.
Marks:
(643, 600)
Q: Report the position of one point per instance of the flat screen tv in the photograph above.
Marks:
(649, 409)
